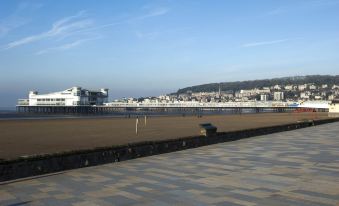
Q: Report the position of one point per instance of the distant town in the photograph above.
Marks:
(309, 91)
(315, 94)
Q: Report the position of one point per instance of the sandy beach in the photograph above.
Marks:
(28, 137)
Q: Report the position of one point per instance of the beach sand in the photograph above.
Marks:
(28, 137)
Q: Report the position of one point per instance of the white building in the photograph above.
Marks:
(74, 96)
(251, 92)
(264, 97)
(289, 87)
(278, 96)
(331, 97)
(318, 97)
(302, 87)
(335, 86)
(313, 87)
(334, 108)
(277, 87)
(305, 95)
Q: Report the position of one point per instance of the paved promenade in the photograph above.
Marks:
(299, 167)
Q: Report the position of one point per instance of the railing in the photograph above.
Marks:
(199, 105)
(310, 104)
(268, 104)
(23, 102)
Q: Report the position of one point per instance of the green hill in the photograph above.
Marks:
(235, 86)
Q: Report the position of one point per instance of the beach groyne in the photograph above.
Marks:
(50, 163)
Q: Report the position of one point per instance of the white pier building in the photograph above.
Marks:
(75, 96)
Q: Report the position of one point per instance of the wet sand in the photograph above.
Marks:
(28, 137)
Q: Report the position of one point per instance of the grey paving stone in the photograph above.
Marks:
(299, 167)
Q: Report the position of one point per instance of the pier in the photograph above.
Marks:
(113, 109)
(77, 100)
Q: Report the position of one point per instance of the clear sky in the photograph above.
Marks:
(143, 48)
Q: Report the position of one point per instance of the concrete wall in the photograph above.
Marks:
(333, 110)
(38, 165)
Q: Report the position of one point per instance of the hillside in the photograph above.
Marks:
(238, 85)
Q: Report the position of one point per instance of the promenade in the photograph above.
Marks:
(299, 167)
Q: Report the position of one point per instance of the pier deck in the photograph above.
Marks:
(230, 107)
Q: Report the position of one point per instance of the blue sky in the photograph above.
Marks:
(140, 48)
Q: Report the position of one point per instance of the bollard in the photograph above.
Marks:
(136, 125)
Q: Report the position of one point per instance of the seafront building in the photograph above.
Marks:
(75, 96)
(334, 108)
(79, 100)
(278, 96)
(264, 97)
